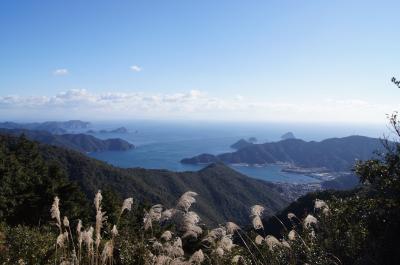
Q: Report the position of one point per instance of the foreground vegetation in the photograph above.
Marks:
(356, 227)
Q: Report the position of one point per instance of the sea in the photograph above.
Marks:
(162, 144)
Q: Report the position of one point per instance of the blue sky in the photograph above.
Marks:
(257, 60)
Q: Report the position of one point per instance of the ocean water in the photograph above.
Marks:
(161, 145)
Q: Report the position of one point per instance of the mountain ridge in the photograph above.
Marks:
(57, 127)
(79, 142)
(336, 154)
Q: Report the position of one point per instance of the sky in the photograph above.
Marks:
(296, 61)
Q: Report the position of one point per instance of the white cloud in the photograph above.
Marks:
(193, 104)
(239, 97)
(135, 68)
(61, 71)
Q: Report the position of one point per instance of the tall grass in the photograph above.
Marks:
(175, 236)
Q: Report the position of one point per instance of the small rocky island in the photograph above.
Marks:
(288, 135)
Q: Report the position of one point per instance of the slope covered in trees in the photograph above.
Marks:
(225, 193)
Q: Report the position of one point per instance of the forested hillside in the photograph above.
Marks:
(225, 193)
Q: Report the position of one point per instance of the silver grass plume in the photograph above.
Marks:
(197, 257)
(256, 212)
(167, 214)
(66, 221)
(292, 235)
(55, 211)
(61, 239)
(219, 238)
(309, 221)
(127, 205)
(257, 222)
(97, 200)
(231, 228)
(215, 234)
(189, 225)
(100, 219)
(272, 242)
(178, 242)
(167, 235)
(219, 251)
(320, 204)
(147, 222)
(154, 214)
(107, 252)
(87, 237)
(114, 231)
(79, 227)
(80, 237)
(177, 250)
(258, 240)
(285, 243)
(290, 216)
(157, 246)
(174, 250)
(312, 233)
(226, 243)
(186, 200)
(79, 232)
(326, 211)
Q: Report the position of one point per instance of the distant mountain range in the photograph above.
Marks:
(335, 154)
(79, 142)
(118, 130)
(56, 127)
(224, 194)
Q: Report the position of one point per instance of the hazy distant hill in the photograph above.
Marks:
(224, 193)
(241, 144)
(57, 127)
(117, 130)
(78, 142)
(335, 154)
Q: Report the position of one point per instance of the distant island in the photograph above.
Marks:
(335, 154)
(79, 142)
(288, 135)
(118, 130)
(56, 127)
